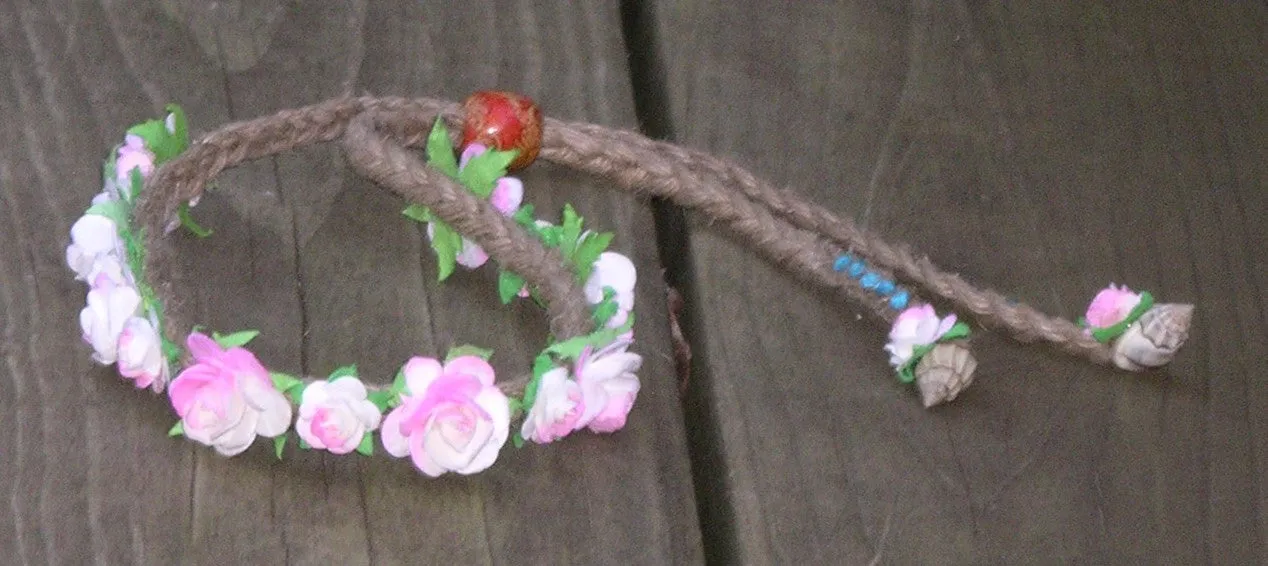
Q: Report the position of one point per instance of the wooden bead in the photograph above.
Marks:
(503, 121)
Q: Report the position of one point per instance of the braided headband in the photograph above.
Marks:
(452, 415)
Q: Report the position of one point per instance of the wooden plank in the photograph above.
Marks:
(321, 262)
(1043, 151)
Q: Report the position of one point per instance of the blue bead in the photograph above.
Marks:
(843, 262)
(898, 301)
(870, 281)
(856, 269)
(886, 287)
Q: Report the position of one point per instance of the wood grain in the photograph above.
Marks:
(323, 265)
(1043, 150)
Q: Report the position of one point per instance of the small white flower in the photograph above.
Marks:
(916, 326)
(109, 308)
(617, 272)
(91, 237)
(335, 415)
(556, 411)
(140, 353)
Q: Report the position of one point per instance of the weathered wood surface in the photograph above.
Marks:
(1044, 150)
(320, 262)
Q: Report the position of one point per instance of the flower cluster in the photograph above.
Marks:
(447, 416)
(596, 392)
(916, 330)
(119, 321)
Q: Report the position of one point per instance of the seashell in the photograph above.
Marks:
(944, 372)
(1152, 340)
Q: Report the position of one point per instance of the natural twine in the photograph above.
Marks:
(779, 225)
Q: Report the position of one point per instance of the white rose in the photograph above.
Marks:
(616, 271)
(140, 353)
(335, 415)
(102, 320)
(92, 236)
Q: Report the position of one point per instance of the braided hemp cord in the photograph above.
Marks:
(688, 177)
(614, 153)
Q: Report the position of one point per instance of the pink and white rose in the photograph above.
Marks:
(102, 320)
(916, 326)
(609, 386)
(226, 398)
(617, 272)
(336, 415)
(1111, 306)
(452, 418)
(557, 411)
(92, 237)
(132, 155)
(140, 353)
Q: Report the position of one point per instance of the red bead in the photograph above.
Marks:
(503, 121)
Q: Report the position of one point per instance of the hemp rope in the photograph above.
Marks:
(754, 209)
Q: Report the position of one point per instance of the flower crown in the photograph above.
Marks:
(451, 414)
(448, 414)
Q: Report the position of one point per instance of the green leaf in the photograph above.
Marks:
(509, 285)
(481, 172)
(517, 406)
(440, 152)
(957, 331)
(187, 220)
(606, 309)
(571, 349)
(541, 364)
(446, 243)
(524, 217)
(177, 429)
(135, 183)
(382, 399)
(181, 127)
(587, 253)
(304, 445)
(235, 339)
(116, 210)
(164, 144)
(907, 373)
(345, 371)
(571, 231)
(171, 352)
(468, 350)
(284, 382)
(279, 442)
(1105, 335)
(418, 213)
(399, 385)
(366, 448)
(517, 439)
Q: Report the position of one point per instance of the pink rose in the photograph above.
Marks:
(507, 195)
(226, 398)
(1111, 306)
(335, 415)
(452, 417)
(141, 353)
(609, 386)
(916, 326)
(556, 411)
(132, 155)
